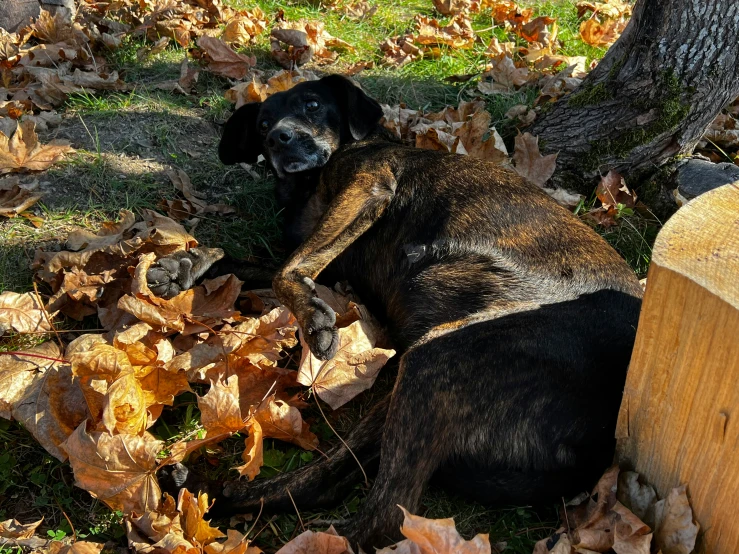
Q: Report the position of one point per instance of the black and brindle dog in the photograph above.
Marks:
(515, 320)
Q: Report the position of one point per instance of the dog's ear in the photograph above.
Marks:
(240, 141)
(362, 112)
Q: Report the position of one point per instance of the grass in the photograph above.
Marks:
(126, 140)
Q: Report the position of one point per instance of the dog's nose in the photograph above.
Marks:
(280, 135)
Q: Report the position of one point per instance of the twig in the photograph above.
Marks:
(364, 473)
(48, 318)
(74, 532)
(261, 507)
(567, 519)
(300, 519)
(60, 360)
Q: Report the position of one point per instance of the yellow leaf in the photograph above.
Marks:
(253, 455)
(193, 510)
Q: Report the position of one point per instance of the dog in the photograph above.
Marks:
(514, 319)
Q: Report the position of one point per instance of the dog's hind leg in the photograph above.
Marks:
(324, 482)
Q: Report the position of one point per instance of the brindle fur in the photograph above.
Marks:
(514, 319)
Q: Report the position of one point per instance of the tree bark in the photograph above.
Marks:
(651, 97)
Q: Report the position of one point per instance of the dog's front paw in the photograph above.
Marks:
(320, 330)
(169, 276)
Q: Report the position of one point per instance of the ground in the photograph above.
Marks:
(126, 140)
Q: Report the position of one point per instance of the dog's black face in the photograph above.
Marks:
(299, 129)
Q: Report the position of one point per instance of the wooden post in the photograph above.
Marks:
(679, 418)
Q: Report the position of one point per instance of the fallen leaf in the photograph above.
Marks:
(279, 420)
(316, 542)
(257, 91)
(352, 370)
(23, 151)
(244, 28)
(674, 529)
(505, 76)
(235, 543)
(636, 496)
(457, 34)
(38, 390)
(612, 191)
(605, 33)
(223, 61)
(453, 7)
(399, 51)
(13, 529)
(23, 313)
(296, 43)
(117, 469)
(360, 9)
(16, 196)
(220, 413)
(253, 454)
(193, 509)
(435, 536)
(530, 164)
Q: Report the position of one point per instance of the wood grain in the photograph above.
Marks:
(679, 419)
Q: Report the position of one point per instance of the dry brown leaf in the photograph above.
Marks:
(457, 34)
(23, 151)
(504, 76)
(235, 543)
(223, 61)
(16, 196)
(612, 192)
(604, 33)
(13, 529)
(220, 413)
(245, 27)
(296, 43)
(253, 454)
(636, 496)
(182, 183)
(38, 390)
(316, 542)
(399, 51)
(352, 370)
(23, 313)
(454, 7)
(674, 529)
(435, 536)
(256, 91)
(193, 509)
(117, 469)
(279, 420)
(530, 164)
(360, 9)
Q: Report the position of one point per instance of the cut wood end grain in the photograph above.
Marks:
(701, 242)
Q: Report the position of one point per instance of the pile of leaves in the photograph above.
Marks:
(623, 515)
(92, 401)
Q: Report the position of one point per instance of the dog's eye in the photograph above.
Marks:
(312, 105)
(264, 125)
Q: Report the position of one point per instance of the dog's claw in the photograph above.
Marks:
(321, 333)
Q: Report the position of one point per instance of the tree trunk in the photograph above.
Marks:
(651, 97)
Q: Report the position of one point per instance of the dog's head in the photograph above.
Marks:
(300, 128)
